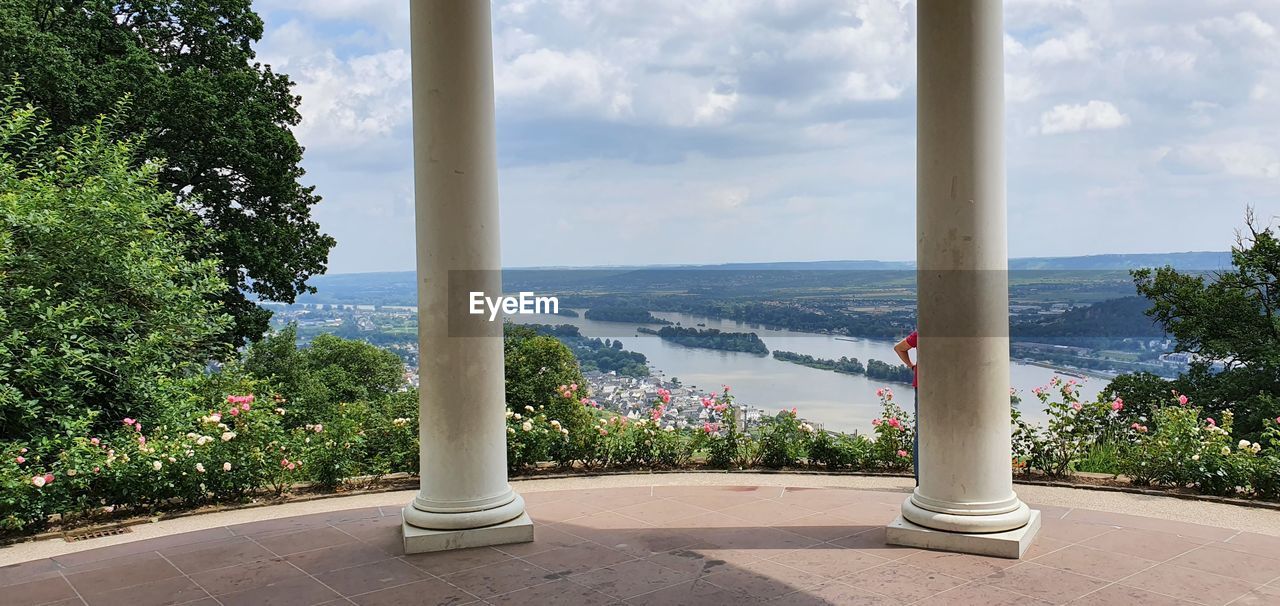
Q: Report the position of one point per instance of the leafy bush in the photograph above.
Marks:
(784, 440)
(100, 303)
(895, 434)
(840, 451)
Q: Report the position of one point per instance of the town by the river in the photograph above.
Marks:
(837, 401)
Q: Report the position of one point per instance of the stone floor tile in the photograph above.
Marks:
(1157, 546)
(1256, 544)
(767, 512)
(325, 559)
(303, 591)
(1043, 582)
(503, 577)
(662, 512)
(1228, 563)
(829, 561)
(246, 576)
(123, 572)
(822, 526)
(835, 592)
(630, 579)
(873, 541)
(40, 591)
(1267, 594)
(960, 565)
(981, 595)
(448, 562)
(545, 538)
(1189, 584)
(371, 577)
(1121, 595)
(28, 571)
(902, 582)
(167, 592)
(579, 558)
(693, 593)
(216, 554)
(427, 591)
(305, 540)
(1097, 563)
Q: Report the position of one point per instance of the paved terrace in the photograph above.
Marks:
(668, 539)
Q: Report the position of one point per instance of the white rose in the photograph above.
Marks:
(527, 426)
(156, 465)
(228, 435)
(200, 467)
(226, 467)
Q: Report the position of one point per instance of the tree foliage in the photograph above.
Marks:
(1229, 319)
(327, 372)
(100, 302)
(218, 119)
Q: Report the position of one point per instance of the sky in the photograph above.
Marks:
(665, 131)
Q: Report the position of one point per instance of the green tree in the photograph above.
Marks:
(536, 366)
(1230, 318)
(218, 119)
(100, 300)
(331, 370)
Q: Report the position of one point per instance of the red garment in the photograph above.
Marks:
(915, 370)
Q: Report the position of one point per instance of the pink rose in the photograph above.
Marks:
(95, 441)
(1210, 421)
(137, 426)
(1076, 406)
(1117, 405)
(880, 393)
(21, 460)
(245, 407)
(127, 421)
(1182, 399)
(48, 478)
(235, 412)
(902, 453)
(875, 422)
(895, 423)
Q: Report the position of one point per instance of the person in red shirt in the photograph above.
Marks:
(903, 349)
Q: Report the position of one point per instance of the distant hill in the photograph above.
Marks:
(398, 288)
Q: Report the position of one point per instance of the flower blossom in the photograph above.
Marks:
(527, 426)
(38, 481)
(876, 422)
(1226, 450)
(227, 436)
(902, 453)
(200, 467)
(1182, 399)
(156, 465)
(1117, 405)
(21, 459)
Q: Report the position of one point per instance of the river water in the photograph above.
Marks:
(837, 401)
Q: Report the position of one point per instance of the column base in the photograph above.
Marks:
(421, 540)
(1008, 544)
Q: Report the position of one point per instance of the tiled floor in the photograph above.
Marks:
(701, 545)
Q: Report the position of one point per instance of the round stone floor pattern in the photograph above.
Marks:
(700, 545)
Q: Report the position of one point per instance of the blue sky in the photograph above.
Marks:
(665, 131)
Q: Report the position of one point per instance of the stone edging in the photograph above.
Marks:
(394, 482)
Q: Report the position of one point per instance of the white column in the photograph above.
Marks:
(965, 500)
(465, 500)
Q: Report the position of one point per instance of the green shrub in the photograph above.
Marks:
(840, 451)
(784, 440)
(895, 434)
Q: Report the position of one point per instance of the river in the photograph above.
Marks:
(837, 401)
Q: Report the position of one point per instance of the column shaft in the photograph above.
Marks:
(462, 394)
(966, 482)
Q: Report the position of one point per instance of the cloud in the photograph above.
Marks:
(792, 123)
(1094, 115)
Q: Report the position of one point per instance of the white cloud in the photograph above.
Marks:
(1094, 115)
(1075, 46)
(555, 82)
